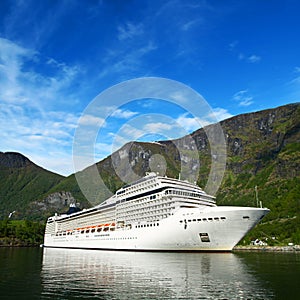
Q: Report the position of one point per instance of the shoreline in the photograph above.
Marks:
(294, 248)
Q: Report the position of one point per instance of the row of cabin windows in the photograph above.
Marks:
(140, 187)
(104, 229)
(105, 218)
(204, 219)
(147, 225)
(149, 218)
(157, 214)
(67, 226)
(98, 230)
(122, 238)
(182, 193)
(142, 207)
(144, 211)
(137, 203)
(86, 231)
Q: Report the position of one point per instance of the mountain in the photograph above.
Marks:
(22, 183)
(262, 151)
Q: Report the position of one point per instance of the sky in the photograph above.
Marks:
(57, 57)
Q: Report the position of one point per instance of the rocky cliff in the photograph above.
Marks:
(55, 202)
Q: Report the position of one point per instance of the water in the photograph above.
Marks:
(29, 273)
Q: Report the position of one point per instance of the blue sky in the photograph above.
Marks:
(57, 56)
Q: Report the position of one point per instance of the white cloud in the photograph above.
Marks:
(102, 150)
(46, 140)
(22, 83)
(55, 161)
(250, 59)
(12, 58)
(241, 56)
(126, 60)
(233, 45)
(242, 98)
(188, 25)
(131, 133)
(296, 80)
(254, 58)
(123, 114)
(126, 57)
(190, 123)
(89, 120)
(31, 119)
(179, 96)
(157, 127)
(221, 114)
(294, 86)
(125, 136)
(129, 31)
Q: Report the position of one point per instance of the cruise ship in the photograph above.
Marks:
(154, 213)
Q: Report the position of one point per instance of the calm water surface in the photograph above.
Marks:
(29, 273)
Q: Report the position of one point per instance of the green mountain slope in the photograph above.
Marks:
(264, 155)
(21, 182)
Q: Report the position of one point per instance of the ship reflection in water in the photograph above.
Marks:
(147, 275)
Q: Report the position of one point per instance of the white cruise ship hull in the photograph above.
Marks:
(217, 228)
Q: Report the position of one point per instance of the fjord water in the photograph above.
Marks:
(30, 273)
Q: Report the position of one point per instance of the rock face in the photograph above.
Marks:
(255, 140)
(58, 201)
